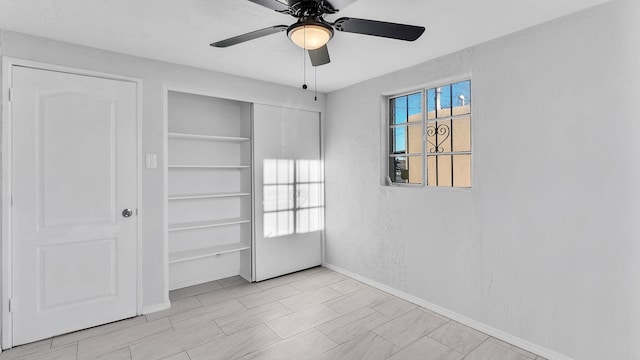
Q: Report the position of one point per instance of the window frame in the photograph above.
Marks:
(406, 125)
(424, 122)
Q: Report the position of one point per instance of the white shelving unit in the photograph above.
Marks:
(206, 224)
(207, 137)
(209, 196)
(209, 166)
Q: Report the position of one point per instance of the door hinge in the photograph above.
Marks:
(10, 307)
(9, 94)
(136, 212)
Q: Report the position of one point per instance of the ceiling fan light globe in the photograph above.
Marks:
(310, 36)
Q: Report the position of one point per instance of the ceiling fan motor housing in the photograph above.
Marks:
(311, 8)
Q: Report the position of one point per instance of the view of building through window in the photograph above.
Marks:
(432, 147)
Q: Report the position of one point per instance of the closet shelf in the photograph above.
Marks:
(207, 137)
(208, 196)
(205, 252)
(208, 166)
(206, 224)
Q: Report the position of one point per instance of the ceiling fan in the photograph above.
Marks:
(312, 31)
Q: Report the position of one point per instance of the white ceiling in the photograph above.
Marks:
(180, 31)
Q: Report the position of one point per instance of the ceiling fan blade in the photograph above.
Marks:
(341, 4)
(319, 56)
(249, 36)
(379, 28)
(272, 4)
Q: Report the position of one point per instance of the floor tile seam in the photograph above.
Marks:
(511, 347)
(315, 287)
(420, 338)
(195, 294)
(346, 314)
(256, 289)
(327, 271)
(274, 331)
(462, 355)
(323, 333)
(265, 346)
(400, 314)
(246, 309)
(476, 348)
(198, 300)
(65, 344)
(175, 322)
(223, 286)
(306, 307)
(439, 327)
(286, 307)
(389, 316)
(285, 339)
(171, 321)
(387, 340)
(427, 336)
(100, 354)
(271, 302)
(171, 299)
(328, 350)
(394, 344)
(379, 313)
(385, 315)
(470, 351)
(216, 338)
(164, 357)
(77, 342)
(221, 329)
(136, 342)
(261, 322)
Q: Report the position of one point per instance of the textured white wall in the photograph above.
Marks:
(154, 75)
(545, 245)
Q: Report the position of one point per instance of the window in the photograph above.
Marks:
(431, 147)
(293, 197)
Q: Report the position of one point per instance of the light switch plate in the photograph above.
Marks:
(151, 161)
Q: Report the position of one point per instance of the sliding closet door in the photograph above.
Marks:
(289, 191)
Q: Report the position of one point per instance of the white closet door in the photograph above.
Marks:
(289, 192)
(74, 171)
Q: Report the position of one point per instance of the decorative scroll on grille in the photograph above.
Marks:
(441, 134)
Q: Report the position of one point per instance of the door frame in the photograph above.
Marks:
(5, 247)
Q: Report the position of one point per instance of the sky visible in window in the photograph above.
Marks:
(449, 92)
(405, 106)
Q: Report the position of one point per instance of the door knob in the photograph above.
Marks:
(127, 212)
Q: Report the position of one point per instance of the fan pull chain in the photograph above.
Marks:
(315, 83)
(304, 62)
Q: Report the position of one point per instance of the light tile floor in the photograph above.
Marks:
(312, 314)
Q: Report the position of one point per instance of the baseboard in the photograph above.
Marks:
(155, 308)
(491, 331)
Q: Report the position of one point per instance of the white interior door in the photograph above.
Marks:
(73, 171)
(289, 191)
